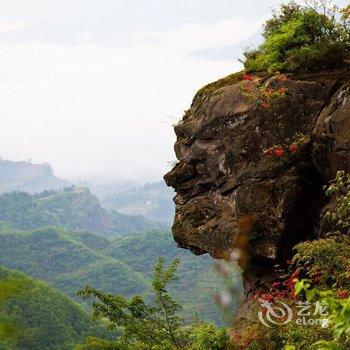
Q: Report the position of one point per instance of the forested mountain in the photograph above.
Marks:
(58, 257)
(34, 315)
(69, 260)
(69, 240)
(152, 200)
(198, 279)
(73, 208)
(28, 177)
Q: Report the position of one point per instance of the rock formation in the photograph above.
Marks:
(254, 154)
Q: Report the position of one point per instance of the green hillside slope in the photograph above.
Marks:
(73, 208)
(198, 279)
(35, 316)
(56, 256)
(69, 260)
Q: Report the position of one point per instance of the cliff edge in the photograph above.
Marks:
(254, 154)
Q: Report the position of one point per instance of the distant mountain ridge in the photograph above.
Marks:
(74, 208)
(152, 200)
(28, 177)
(68, 239)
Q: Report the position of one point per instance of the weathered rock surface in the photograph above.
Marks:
(230, 194)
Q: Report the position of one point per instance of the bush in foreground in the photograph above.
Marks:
(157, 326)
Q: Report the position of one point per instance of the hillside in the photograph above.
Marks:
(34, 316)
(152, 200)
(69, 260)
(198, 279)
(58, 257)
(69, 240)
(28, 177)
(72, 207)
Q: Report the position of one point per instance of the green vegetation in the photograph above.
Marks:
(155, 326)
(213, 88)
(323, 266)
(338, 308)
(56, 256)
(72, 208)
(328, 259)
(299, 37)
(68, 260)
(336, 221)
(199, 281)
(66, 239)
(36, 316)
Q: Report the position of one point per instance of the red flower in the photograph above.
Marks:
(279, 152)
(294, 148)
(276, 284)
(284, 294)
(282, 77)
(266, 105)
(343, 294)
(247, 77)
(267, 297)
(282, 90)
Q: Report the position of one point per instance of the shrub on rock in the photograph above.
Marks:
(301, 38)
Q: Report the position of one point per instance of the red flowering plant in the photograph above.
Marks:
(343, 294)
(266, 95)
(247, 77)
(290, 149)
(282, 289)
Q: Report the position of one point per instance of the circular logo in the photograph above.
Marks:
(271, 314)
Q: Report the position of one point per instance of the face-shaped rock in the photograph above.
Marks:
(246, 176)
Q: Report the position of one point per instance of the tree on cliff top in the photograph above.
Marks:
(306, 37)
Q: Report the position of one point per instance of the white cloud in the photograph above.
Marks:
(94, 110)
(199, 35)
(7, 26)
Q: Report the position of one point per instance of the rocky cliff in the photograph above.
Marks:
(254, 154)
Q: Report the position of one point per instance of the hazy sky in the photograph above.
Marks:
(94, 86)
